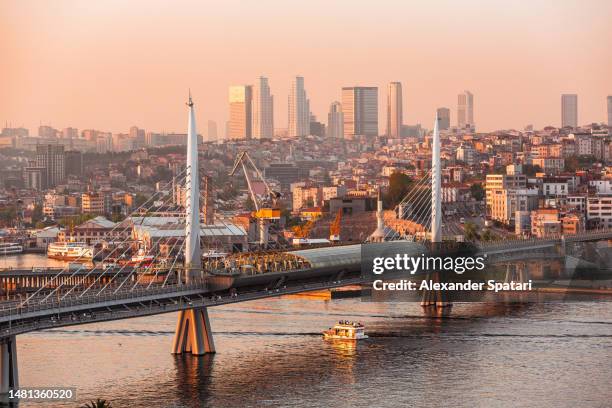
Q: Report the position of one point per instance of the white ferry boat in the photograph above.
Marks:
(346, 330)
(7, 248)
(69, 251)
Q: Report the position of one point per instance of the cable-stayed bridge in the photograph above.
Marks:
(181, 282)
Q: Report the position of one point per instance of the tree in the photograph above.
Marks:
(487, 235)
(477, 191)
(249, 204)
(8, 215)
(573, 163)
(37, 213)
(99, 403)
(139, 200)
(470, 232)
(399, 186)
(531, 170)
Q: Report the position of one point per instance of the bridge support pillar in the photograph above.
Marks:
(436, 298)
(519, 274)
(9, 376)
(193, 333)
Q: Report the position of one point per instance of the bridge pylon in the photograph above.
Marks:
(9, 376)
(435, 298)
(193, 333)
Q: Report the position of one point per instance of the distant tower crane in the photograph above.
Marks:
(265, 210)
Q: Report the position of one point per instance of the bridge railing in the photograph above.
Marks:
(91, 298)
(583, 236)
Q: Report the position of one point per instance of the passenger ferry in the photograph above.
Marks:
(69, 251)
(346, 330)
(7, 248)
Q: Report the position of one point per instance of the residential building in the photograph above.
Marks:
(554, 187)
(307, 197)
(466, 154)
(603, 187)
(599, 211)
(455, 192)
(35, 178)
(74, 163)
(506, 202)
(550, 165)
(52, 158)
(333, 192)
(94, 203)
(573, 223)
(70, 133)
(47, 132)
(545, 222)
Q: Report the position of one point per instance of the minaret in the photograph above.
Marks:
(379, 234)
(193, 261)
(436, 187)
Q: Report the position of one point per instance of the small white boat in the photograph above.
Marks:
(346, 330)
(7, 248)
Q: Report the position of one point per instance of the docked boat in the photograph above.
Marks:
(214, 254)
(140, 259)
(346, 330)
(8, 248)
(70, 251)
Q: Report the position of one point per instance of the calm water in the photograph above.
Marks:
(270, 353)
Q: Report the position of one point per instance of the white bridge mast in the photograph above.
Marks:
(193, 333)
(193, 256)
(436, 186)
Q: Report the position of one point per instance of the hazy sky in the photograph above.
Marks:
(115, 63)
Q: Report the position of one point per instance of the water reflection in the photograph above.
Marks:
(270, 353)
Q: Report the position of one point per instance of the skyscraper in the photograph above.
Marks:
(394, 110)
(360, 111)
(262, 110)
(569, 110)
(212, 131)
(240, 101)
(443, 118)
(335, 121)
(52, 159)
(465, 109)
(610, 110)
(299, 109)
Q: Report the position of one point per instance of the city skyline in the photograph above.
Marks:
(133, 72)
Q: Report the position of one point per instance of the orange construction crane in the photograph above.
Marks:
(302, 231)
(334, 228)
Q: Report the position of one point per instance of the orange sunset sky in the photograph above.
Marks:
(111, 64)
